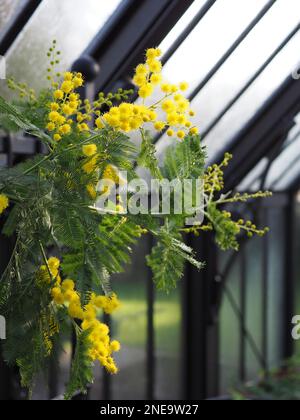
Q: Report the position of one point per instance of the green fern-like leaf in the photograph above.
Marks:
(82, 367)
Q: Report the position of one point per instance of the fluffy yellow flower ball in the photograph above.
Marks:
(89, 150)
(4, 203)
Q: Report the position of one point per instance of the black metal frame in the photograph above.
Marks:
(121, 44)
(18, 24)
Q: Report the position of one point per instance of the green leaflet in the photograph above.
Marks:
(226, 230)
(17, 118)
(82, 367)
(185, 160)
(167, 259)
(147, 158)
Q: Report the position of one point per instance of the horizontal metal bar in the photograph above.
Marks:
(216, 120)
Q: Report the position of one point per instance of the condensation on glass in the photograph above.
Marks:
(72, 23)
(8, 11)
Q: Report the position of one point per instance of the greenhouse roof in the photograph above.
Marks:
(239, 58)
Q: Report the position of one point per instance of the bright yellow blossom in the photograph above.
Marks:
(91, 191)
(57, 137)
(54, 106)
(4, 203)
(156, 79)
(65, 129)
(68, 284)
(91, 165)
(184, 86)
(51, 126)
(89, 149)
(67, 86)
(181, 134)
(194, 130)
(58, 94)
(54, 116)
(146, 90)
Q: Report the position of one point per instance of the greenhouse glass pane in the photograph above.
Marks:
(72, 22)
(245, 61)
(9, 9)
(181, 25)
(252, 181)
(210, 39)
(254, 304)
(285, 168)
(230, 333)
(167, 320)
(275, 288)
(129, 326)
(246, 107)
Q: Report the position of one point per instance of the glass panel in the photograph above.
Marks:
(181, 25)
(9, 9)
(254, 304)
(219, 138)
(72, 22)
(252, 181)
(204, 46)
(243, 64)
(130, 328)
(276, 280)
(286, 167)
(283, 170)
(230, 333)
(167, 342)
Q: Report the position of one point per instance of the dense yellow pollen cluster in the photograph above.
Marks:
(4, 203)
(68, 114)
(64, 106)
(176, 108)
(63, 293)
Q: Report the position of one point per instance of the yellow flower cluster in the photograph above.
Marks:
(91, 165)
(128, 117)
(65, 105)
(48, 274)
(90, 151)
(176, 108)
(101, 347)
(4, 203)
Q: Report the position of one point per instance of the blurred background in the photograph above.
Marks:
(226, 325)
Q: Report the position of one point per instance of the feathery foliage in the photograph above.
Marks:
(66, 245)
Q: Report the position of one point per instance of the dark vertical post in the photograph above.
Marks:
(150, 391)
(243, 274)
(265, 268)
(200, 337)
(6, 373)
(289, 281)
